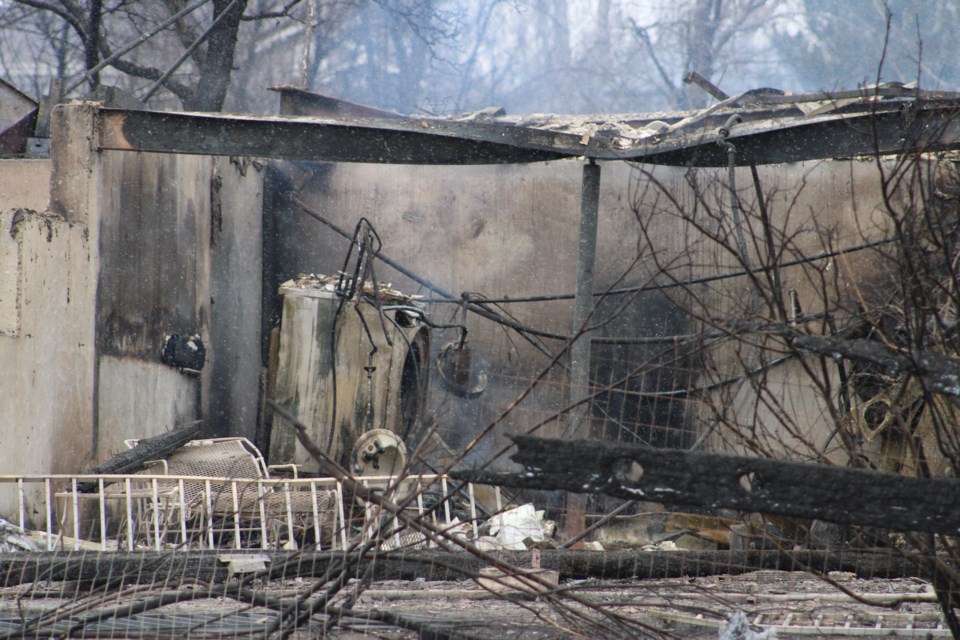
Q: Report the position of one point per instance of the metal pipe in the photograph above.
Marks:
(724, 133)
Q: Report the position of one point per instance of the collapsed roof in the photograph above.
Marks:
(761, 126)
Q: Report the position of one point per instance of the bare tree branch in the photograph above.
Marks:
(264, 15)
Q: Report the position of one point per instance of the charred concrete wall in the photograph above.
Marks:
(236, 274)
(498, 231)
(180, 250)
(154, 245)
(133, 247)
(815, 208)
(511, 231)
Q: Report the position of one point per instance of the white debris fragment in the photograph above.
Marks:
(512, 527)
(666, 545)
(738, 628)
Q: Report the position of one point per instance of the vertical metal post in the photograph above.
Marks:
(22, 501)
(316, 516)
(261, 500)
(155, 508)
(236, 514)
(446, 500)
(48, 497)
(473, 511)
(586, 260)
(103, 515)
(578, 422)
(75, 500)
(183, 516)
(289, 503)
(343, 521)
(130, 522)
(209, 496)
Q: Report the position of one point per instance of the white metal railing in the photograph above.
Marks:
(156, 511)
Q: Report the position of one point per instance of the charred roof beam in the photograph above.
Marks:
(370, 140)
(911, 127)
(875, 129)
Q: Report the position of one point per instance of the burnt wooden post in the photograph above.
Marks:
(578, 421)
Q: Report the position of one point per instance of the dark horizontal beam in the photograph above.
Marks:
(779, 487)
(884, 128)
(333, 140)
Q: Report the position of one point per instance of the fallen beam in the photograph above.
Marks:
(151, 567)
(147, 449)
(779, 487)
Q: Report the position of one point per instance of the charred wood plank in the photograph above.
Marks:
(151, 567)
(147, 449)
(688, 478)
(693, 77)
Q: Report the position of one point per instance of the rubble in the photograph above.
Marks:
(384, 291)
(14, 538)
(515, 529)
(532, 581)
(652, 530)
(789, 605)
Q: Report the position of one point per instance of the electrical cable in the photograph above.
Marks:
(526, 332)
(476, 308)
(690, 281)
(342, 298)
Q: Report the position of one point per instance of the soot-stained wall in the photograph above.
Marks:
(511, 231)
(105, 253)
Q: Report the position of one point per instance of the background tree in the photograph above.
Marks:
(833, 45)
(710, 37)
(387, 53)
(187, 49)
(95, 30)
(452, 56)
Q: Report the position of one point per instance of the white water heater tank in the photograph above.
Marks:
(345, 367)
